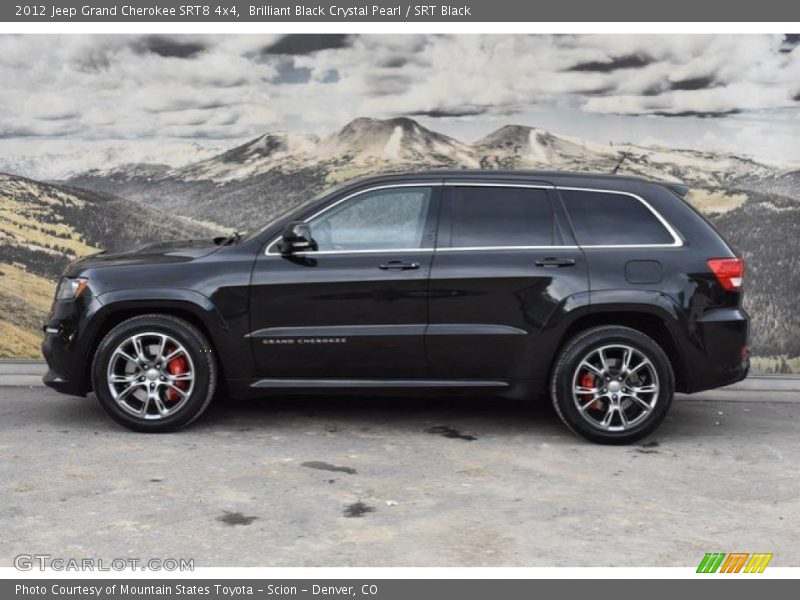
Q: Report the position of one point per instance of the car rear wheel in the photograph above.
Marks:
(612, 385)
(154, 373)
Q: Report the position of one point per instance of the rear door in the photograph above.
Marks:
(504, 265)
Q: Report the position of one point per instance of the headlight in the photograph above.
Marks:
(71, 287)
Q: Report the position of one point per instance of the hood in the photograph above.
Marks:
(158, 252)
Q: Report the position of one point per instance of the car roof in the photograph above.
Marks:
(558, 178)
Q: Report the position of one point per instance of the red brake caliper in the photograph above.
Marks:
(587, 380)
(177, 366)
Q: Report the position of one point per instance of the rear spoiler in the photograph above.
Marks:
(679, 188)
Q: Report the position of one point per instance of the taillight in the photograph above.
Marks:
(728, 271)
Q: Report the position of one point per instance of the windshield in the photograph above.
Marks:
(255, 231)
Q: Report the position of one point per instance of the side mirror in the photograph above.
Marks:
(296, 238)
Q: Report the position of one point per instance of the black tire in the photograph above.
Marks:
(566, 371)
(200, 354)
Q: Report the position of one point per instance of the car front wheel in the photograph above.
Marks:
(154, 373)
(612, 385)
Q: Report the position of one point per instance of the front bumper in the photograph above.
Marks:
(55, 381)
(62, 374)
(67, 345)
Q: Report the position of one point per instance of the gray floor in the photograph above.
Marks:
(277, 482)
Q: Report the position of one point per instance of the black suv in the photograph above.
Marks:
(608, 293)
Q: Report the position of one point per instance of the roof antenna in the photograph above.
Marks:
(619, 163)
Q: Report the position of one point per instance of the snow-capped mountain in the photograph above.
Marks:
(256, 156)
(366, 141)
(366, 145)
(361, 144)
(518, 147)
(63, 159)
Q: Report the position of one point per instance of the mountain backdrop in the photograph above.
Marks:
(277, 170)
(43, 225)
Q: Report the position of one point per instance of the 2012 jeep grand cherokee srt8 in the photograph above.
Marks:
(608, 293)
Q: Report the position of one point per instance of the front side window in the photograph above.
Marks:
(375, 220)
(606, 219)
(501, 216)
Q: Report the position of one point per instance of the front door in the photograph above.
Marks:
(504, 267)
(356, 308)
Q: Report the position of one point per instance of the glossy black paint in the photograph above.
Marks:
(465, 320)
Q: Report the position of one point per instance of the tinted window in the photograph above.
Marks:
(602, 219)
(498, 216)
(381, 219)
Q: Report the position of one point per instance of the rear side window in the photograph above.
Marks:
(501, 216)
(606, 219)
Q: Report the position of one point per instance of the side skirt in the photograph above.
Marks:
(374, 383)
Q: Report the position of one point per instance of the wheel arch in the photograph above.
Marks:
(117, 309)
(647, 319)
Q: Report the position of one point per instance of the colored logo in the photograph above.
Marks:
(736, 562)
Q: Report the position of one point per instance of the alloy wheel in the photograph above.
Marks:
(150, 375)
(615, 387)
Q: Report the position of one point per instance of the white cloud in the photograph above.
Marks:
(214, 87)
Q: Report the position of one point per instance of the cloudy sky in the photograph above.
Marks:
(157, 95)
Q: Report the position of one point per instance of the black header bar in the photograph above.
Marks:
(344, 11)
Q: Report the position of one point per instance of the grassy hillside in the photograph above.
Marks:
(236, 204)
(24, 301)
(43, 227)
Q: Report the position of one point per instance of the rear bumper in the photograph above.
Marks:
(718, 353)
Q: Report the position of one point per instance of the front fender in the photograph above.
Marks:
(159, 298)
(109, 306)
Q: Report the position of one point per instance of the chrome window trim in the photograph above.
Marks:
(379, 251)
(344, 199)
(474, 248)
(458, 249)
(677, 240)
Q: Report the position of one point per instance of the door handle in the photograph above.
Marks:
(553, 263)
(398, 265)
